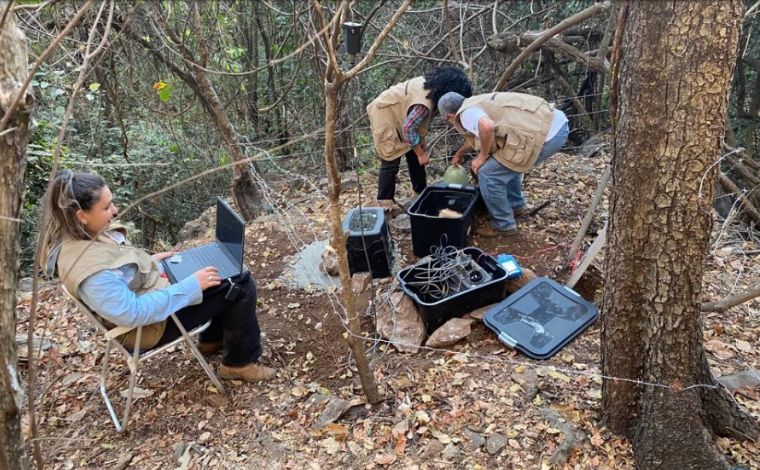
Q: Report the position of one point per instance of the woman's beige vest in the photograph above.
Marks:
(521, 123)
(387, 114)
(79, 259)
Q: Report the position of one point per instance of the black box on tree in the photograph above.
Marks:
(368, 245)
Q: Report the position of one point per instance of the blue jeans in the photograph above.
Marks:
(502, 188)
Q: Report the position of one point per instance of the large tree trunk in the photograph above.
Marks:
(13, 140)
(672, 86)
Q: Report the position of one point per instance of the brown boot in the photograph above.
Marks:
(248, 373)
(210, 347)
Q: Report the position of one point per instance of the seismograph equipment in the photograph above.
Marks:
(368, 245)
(540, 318)
(442, 213)
(451, 282)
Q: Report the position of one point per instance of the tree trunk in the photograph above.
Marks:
(13, 140)
(339, 243)
(672, 87)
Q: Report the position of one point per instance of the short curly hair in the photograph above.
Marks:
(442, 80)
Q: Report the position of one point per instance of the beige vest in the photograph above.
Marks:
(79, 259)
(388, 112)
(521, 123)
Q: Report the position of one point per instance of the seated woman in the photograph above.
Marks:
(126, 286)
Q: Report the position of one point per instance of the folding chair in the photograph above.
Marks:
(135, 357)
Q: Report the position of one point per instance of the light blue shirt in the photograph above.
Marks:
(108, 293)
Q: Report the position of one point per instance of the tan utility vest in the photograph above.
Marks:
(387, 114)
(79, 259)
(521, 123)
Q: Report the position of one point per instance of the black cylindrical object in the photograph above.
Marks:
(352, 37)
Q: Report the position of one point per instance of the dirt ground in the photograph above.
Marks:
(476, 405)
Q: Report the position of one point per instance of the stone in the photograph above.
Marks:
(747, 378)
(402, 223)
(391, 208)
(513, 285)
(399, 322)
(329, 263)
(475, 439)
(528, 380)
(407, 202)
(450, 452)
(334, 409)
(432, 450)
(495, 443)
(359, 282)
(199, 227)
(479, 313)
(450, 332)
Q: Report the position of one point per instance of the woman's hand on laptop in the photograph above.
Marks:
(208, 277)
(163, 255)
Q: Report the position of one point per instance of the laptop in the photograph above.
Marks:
(225, 253)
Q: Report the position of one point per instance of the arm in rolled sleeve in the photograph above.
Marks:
(107, 293)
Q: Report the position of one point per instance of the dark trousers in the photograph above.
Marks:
(386, 180)
(233, 322)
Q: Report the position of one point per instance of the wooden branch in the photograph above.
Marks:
(585, 119)
(22, 91)
(741, 168)
(749, 209)
(507, 42)
(563, 25)
(733, 301)
(589, 214)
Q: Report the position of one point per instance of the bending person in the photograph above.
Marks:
(512, 133)
(400, 118)
(125, 286)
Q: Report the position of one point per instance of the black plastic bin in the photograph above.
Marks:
(368, 240)
(429, 229)
(435, 312)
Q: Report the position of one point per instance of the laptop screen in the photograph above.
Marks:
(230, 230)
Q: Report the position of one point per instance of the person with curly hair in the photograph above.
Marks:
(400, 118)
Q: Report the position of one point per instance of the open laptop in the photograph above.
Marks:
(225, 253)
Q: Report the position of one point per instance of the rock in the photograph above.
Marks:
(362, 293)
(747, 378)
(528, 380)
(217, 401)
(450, 452)
(332, 412)
(359, 282)
(513, 285)
(407, 202)
(495, 443)
(399, 322)
(479, 313)
(391, 208)
(329, 263)
(432, 450)
(199, 227)
(476, 440)
(451, 332)
(402, 223)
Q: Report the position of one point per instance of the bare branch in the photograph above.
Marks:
(732, 301)
(561, 26)
(43, 56)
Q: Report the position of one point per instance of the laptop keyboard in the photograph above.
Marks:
(208, 255)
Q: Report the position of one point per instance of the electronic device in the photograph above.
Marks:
(225, 253)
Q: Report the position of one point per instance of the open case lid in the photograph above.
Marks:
(540, 318)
